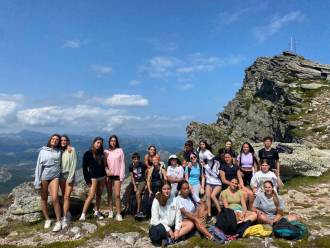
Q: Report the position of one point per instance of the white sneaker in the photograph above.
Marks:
(98, 215)
(110, 216)
(48, 223)
(57, 227)
(119, 217)
(82, 217)
(65, 223)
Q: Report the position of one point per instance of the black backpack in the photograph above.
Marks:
(226, 221)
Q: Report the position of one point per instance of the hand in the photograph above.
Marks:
(176, 234)
(190, 164)
(202, 191)
(69, 148)
(171, 234)
(135, 188)
(150, 194)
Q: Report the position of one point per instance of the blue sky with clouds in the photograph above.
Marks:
(140, 67)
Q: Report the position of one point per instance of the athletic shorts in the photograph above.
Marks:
(114, 178)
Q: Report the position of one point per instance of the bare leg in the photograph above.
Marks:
(53, 188)
(214, 197)
(249, 196)
(208, 193)
(201, 215)
(44, 198)
(99, 191)
(252, 216)
(117, 186)
(109, 189)
(138, 200)
(187, 226)
(67, 194)
(293, 217)
(91, 194)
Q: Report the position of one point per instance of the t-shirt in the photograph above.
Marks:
(271, 156)
(234, 200)
(245, 160)
(194, 175)
(139, 172)
(212, 173)
(230, 171)
(267, 205)
(175, 171)
(205, 155)
(187, 203)
(260, 177)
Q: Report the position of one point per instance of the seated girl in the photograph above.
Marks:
(193, 210)
(166, 224)
(269, 206)
(234, 198)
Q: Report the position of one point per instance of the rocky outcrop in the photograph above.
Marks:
(303, 161)
(286, 96)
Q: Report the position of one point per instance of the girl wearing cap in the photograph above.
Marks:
(175, 172)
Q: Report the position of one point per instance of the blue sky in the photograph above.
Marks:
(140, 67)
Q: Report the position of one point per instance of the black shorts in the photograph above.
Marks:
(247, 176)
(114, 178)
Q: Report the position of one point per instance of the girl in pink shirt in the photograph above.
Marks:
(115, 170)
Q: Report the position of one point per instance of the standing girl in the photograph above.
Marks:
(94, 174)
(152, 151)
(115, 174)
(69, 163)
(47, 173)
(194, 175)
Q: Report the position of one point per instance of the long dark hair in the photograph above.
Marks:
(274, 195)
(159, 196)
(59, 141)
(190, 196)
(251, 150)
(117, 142)
(67, 140)
(207, 146)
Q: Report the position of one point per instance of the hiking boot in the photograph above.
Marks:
(119, 217)
(48, 223)
(57, 227)
(98, 215)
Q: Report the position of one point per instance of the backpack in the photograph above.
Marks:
(284, 149)
(226, 221)
(258, 230)
(289, 230)
(219, 236)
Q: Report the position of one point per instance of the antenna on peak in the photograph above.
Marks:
(293, 45)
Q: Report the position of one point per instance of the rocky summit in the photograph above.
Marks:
(285, 96)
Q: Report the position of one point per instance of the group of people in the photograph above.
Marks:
(182, 195)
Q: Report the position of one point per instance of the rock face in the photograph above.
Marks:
(286, 96)
(303, 161)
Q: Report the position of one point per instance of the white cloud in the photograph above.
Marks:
(187, 86)
(7, 111)
(12, 97)
(101, 70)
(127, 100)
(71, 44)
(161, 45)
(134, 82)
(226, 18)
(264, 32)
(80, 94)
(182, 69)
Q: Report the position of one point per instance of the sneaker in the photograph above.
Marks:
(140, 215)
(57, 227)
(65, 223)
(98, 215)
(82, 217)
(119, 217)
(110, 215)
(48, 223)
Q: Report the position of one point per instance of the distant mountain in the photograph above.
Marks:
(19, 151)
